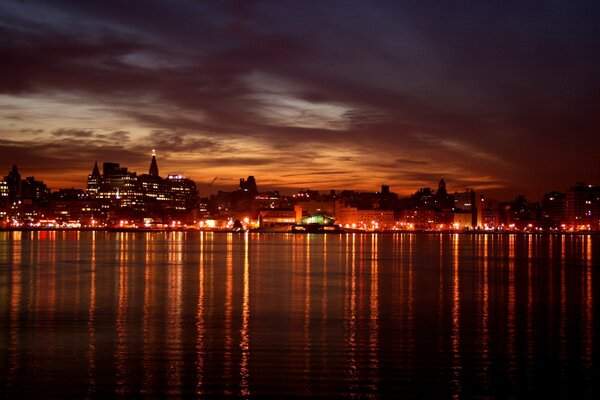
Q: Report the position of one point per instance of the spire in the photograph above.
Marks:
(96, 171)
(442, 187)
(153, 165)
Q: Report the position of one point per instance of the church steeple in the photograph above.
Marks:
(153, 165)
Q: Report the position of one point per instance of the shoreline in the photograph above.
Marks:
(256, 231)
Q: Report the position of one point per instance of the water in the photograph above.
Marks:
(91, 314)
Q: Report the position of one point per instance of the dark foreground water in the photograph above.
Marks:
(86, 314)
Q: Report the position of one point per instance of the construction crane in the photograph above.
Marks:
(205, 188)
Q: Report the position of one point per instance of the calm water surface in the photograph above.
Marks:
(93, 314)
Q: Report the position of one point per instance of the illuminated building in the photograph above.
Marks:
(554, 207)
(119, 188)
(3, 199)
(583, 206)
(519, 213)
(153, 170)
(13, 181)
(488, 214)
(364, 219)
(34, 192)
(262, 201)
(419, 219)
(3, 193)
(466, 202)
(316, 206)
(316, 223)
(279, 218)
(94, 181)
(183, 193)
(462, 220)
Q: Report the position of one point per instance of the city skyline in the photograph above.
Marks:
(209, 187)
(499, 98)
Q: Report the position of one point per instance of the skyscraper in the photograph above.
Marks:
(13, 180)
(94, 181)
(153, 165)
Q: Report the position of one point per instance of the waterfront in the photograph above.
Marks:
(255, 315)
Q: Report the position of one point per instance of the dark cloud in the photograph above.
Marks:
(76, 133)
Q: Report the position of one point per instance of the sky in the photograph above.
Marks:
(502, 97)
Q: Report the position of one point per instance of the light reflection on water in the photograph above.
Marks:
(206, 314)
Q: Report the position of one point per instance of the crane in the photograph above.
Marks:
(205, 188)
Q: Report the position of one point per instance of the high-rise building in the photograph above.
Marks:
(583, 206)
(13, 180)
(119, 187)
(465, 202)
(34, 192)
(248, 185)
(554, 207)
(3, 194)
(182, 192)
(153, 171)
(94, 181)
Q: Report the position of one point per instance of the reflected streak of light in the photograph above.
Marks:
(324, 307)
(174, 330)
(408, 302)
(563, 311)
(227, 356)
(485, 315)
(245, 333)
(588, 304)
(121, 323)
(441, 302)
(551, 285)
(456, 361)
(351, 304)
(530, 355)
(147, 330)
(91, 353)
(307, 311)
(15, 300)
(374, 320)
(200, 322)
(510, 323)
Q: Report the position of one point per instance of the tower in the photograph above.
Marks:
(13, 180)
(442, 188)
(95, 171)
(153, 165)
(94, 180)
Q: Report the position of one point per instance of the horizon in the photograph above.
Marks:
(210, 187)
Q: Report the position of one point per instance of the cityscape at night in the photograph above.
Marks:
(120, 198)
(292, 199)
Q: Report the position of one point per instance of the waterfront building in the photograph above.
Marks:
(13, 181)
(418, 219)
(3, 193)
(279, 218)
(554, 208)
(488, 215)
(364, 219)
(583, 207)
(462, 220)
(34, 192)
(94, 181)
(466, 202)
